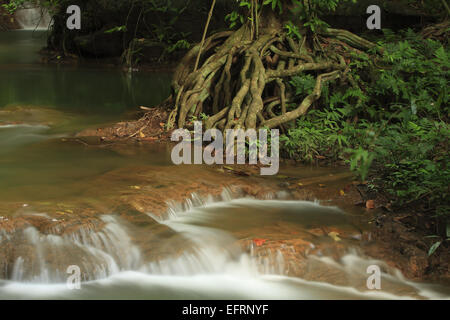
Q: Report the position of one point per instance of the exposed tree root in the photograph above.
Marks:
(438, 31)
(243, 83)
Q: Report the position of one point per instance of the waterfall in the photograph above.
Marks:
(43, 258)
(191, 253)
(33, 18)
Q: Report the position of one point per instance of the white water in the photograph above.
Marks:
(33, 18)
(99, 253)
(210, 265)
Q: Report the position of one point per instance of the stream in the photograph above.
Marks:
(139, 227)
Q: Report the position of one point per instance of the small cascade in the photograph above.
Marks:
(213, 251)
(200, 258)
(34, 18)
(44, 258)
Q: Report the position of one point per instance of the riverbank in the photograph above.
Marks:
(145, 190)
(396, 238)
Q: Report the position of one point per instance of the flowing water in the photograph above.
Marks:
(57, 196)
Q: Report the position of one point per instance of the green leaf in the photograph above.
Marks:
(433, 248)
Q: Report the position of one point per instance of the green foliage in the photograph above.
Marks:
(360, 161)
(417, 76)
(293, 31)
(275, 4)
(180, 44)
(412, 162)
(13, 5)
(234, 18)
(303, 84)
(117, 29)
(392, 128)
(308, 12)
(317, 135)
(163, 30)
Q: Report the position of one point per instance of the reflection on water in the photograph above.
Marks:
(20, 47)
(42, 104)
(81, 89)
(36, 164)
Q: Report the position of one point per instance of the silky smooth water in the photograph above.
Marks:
(203, 248)
(209, 266)
(41, 104)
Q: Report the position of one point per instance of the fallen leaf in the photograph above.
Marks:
(433, 248)
(135, 187)
(342, 193)
(335, 236)
(259, 242)
(370, 204)
(141, 134)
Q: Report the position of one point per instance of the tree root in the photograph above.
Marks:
(243, 83)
